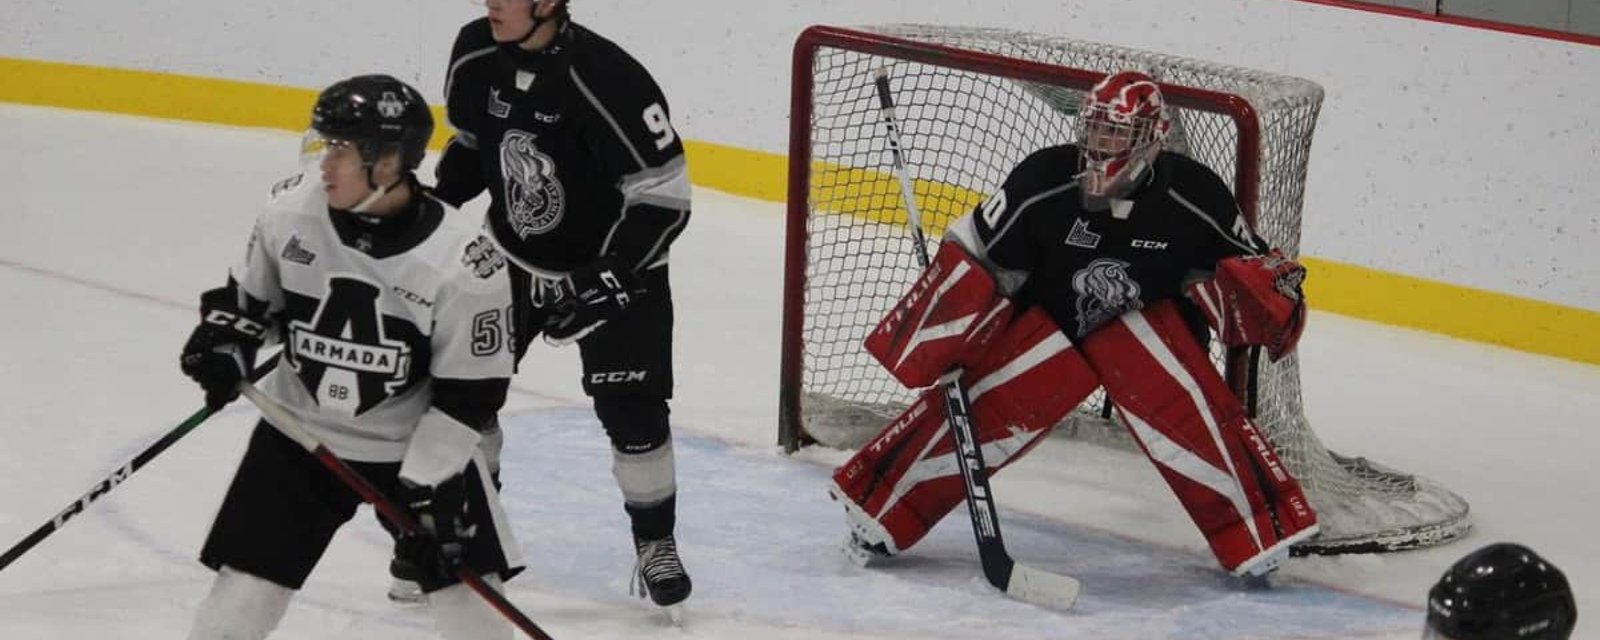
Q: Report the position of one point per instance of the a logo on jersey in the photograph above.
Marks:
(1081, 236)
(293, 252)
(535, 200)
(497, 107)
(390, 106)
(1105, 291)
(286, 184)
(483, 258)
(1154, 245)
(346, 335)
(546, 292)
(524, 79)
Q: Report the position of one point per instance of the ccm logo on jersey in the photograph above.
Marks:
(613, 377)
(1149, 244)
(411, 297)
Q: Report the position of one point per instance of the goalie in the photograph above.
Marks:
(1098, 265)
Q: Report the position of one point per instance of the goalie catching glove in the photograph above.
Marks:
(946, 319)
(1255, 301)
(598, 293)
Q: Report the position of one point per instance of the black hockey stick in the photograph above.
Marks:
(286, 423)
(1020, 581)
(103, 487)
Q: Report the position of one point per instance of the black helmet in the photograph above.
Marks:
(1502, 591)
(377, 112)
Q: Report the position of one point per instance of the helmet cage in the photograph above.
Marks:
(1120, 131)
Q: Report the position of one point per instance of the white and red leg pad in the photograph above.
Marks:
(1188, 421)
(906, 479)
(947, 316)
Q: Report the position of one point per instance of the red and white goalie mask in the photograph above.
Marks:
(1120, 130)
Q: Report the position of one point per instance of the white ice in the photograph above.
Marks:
(110, 226)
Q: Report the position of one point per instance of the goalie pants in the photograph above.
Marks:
(283, 507)
(627, 370)
(1165, 388)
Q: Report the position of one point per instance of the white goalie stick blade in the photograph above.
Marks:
(1042, 588)
(1028, 584)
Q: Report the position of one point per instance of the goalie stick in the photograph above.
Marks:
(1023, 582)
(104, 486)
(286, 423)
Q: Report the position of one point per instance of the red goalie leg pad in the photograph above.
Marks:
(906, 479)
(1191, 425)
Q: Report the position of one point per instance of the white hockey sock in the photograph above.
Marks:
(240, 607)
(461, 614)
(646, 478)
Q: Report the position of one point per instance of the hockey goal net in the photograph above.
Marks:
(972, 103)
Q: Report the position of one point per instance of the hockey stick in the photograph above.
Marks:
(1020, 581)
(279, 417)
(103, 487)
(892, 126)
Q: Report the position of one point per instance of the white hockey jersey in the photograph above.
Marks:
(385, 322)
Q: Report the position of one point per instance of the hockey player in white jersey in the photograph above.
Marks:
(393, 319)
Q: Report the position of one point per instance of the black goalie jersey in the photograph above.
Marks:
(1086, 267)
(574, 145)
(384, 324)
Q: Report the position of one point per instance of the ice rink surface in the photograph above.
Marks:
(111, 226)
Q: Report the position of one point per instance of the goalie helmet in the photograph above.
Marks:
(377, 114)
(1120, 130)
(1501, 592)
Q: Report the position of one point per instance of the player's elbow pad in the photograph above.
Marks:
(1255, 301)
(947, 317)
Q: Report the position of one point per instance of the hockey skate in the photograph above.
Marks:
(406, 592)
(867, 541)
(659, 574)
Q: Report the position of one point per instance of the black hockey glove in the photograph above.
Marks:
(222, 348)
(430, 557)
(600, 291)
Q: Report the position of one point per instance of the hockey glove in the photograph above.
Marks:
(222, 348)
(431, 556)
(600, 291)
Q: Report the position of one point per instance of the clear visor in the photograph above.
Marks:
(314, 146)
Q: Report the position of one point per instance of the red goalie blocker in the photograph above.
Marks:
(1255, 301)
(947, 315)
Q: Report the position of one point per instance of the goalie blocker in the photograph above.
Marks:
(1023, 376)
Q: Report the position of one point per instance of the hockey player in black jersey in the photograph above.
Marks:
(1074, 275)
(571, 138)
(396, 357)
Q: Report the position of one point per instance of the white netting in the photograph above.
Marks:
(962, 131)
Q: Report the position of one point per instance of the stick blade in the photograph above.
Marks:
(1043, 588)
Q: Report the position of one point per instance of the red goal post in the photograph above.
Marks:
(972, 103)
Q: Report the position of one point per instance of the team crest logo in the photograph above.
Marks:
(483, 258)
(343, 353)
(293, 252)
(535, 200)
(1105, 291)
(390, 106)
